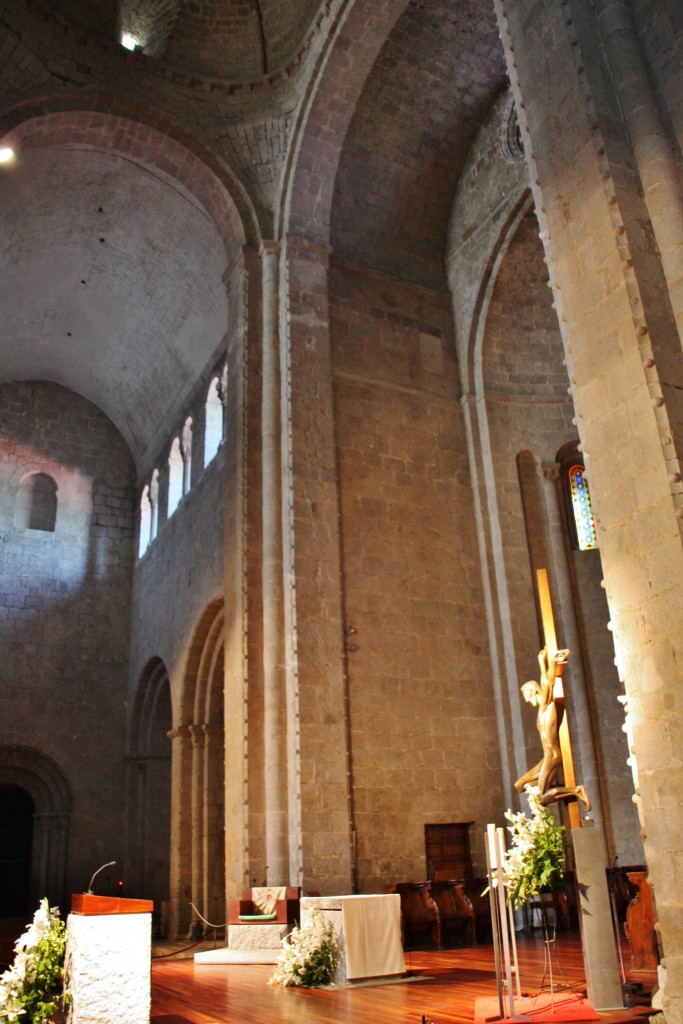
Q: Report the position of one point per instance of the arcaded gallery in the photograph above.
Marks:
(341, 500)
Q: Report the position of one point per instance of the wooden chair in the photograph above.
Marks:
(420, 919)
(456, 913)
(265, 905)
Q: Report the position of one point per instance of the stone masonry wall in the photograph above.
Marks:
(417, 661)
(65, 606)
(177, 578)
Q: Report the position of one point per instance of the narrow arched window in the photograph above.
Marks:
(154, 504)
(187, 455)
(213, 420)
(36, 507)
(145, 521)
(175, 477)
(582, 507)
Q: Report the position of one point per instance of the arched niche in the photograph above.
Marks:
(198, 799)
(40, 778)
(149, 786)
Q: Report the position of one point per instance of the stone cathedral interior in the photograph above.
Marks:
(324, 328)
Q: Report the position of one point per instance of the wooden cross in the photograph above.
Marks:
(550, 638)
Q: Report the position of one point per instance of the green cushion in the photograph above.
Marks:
(258, 917)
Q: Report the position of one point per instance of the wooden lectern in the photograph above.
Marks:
(109, 958)
(87, 905)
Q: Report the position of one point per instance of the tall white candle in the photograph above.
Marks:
(492, 841)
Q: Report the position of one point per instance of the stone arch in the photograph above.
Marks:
(153, 144)
(149, 784)
(323, 119)
(199, 780)
(43, 780)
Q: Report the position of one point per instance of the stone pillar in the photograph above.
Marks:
(274, 712)
(617, 308)
(320, 806)
(242, 560)
(213, 894)
(180, 872)
(580, 727)
(198, 740)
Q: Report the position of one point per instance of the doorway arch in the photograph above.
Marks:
(44, 787)
(199, 780)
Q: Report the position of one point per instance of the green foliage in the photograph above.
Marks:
(309, 957)
(31, 989)
(535, 860)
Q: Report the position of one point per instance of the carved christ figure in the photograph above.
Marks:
(548, 721)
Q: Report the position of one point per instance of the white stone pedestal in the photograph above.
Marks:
(256, 936)
(108, 965)
(595, 918)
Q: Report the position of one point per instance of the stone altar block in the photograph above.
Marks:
(368, 929)
(108, 960)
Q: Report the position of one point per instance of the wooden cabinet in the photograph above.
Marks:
(448, 851)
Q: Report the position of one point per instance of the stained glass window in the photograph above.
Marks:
(582, 508)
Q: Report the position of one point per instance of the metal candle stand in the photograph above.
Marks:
(504, 942)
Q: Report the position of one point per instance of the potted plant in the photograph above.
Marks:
(534, 861)
(309, 957)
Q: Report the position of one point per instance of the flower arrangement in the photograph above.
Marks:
(310, 954)
(535, 859)
(32, 987)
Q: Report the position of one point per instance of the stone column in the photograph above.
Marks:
(320, 806)
(181, 858)
(274, 712)
(243, 617)
(213, 894)
(198, 739)
(615, 303)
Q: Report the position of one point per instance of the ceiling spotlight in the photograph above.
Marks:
(6, 154)
(129, 41)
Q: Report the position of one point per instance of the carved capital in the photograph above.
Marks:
(550, 472)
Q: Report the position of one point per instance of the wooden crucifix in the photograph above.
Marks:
(551, 720)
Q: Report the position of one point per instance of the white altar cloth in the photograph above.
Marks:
(368, 929)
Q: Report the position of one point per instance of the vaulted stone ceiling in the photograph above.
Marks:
(429, 92)
(236, 39)
(132, 321)
(110, 278)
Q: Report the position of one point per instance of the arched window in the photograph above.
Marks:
(145, 521)
(154, 504)
(214, 419)
(36, 507)
(582, 507)
(187, 455)
(175, 477)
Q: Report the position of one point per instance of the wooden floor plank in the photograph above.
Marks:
(443, 989)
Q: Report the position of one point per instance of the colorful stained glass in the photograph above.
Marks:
(583, 510)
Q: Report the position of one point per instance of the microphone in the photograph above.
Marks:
(110, 864)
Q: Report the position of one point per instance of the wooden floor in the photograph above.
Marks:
(443, 990)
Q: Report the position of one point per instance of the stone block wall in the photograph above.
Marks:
(65, 608)
(417, 660)
(177, 578)
(529, 411)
